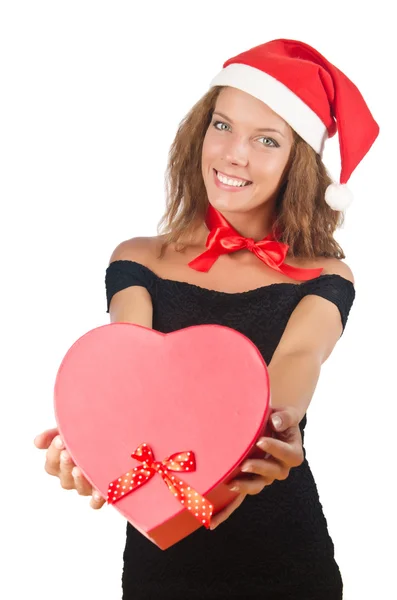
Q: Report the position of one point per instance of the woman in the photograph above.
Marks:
(248, 243)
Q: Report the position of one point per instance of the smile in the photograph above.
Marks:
(228, 183)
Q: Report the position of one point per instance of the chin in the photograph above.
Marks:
(224, 204)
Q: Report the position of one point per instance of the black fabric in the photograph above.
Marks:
(276, 545)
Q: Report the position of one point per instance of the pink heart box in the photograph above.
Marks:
(203, 389)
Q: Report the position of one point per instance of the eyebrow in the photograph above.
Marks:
(258, 129)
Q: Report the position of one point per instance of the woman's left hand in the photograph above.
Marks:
(283, 453)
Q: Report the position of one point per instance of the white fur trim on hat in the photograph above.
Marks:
(338, 196)
(279, 97)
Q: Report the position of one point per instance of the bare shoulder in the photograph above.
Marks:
(143, 250)
(330, 265)
(336, 266)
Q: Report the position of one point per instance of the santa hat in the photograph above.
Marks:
(313, 96)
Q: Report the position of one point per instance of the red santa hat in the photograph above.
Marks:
(313, 96)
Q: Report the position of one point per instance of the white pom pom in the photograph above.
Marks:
(338, 196)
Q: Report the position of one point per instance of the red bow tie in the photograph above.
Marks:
(223, 239)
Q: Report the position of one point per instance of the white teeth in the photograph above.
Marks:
(233, 182)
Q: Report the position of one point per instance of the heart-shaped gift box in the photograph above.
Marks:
(123, 390)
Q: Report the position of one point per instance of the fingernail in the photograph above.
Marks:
(276, 422)
(65, 457)
(246, 468)
(76, 472)
(96, 496)
(234, 488)
(262, 444)
(58, 443)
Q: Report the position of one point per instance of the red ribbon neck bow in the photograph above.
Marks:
(180, 461)
(223, 239)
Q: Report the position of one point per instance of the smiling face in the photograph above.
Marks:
(245, 139)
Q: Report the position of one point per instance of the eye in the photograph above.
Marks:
(219, 123)
(275, 144)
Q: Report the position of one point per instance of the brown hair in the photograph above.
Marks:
(303, 219)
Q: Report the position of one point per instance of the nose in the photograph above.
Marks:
(237, 153)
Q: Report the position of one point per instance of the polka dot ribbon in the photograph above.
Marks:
(223, 239)
(178, 462)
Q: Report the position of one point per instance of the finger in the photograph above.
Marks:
(282, 419)
(291, 454)
(83, 487)
(271, 469)
(249, 486)
(226, 512)
(97, 501)
(44, 439)
(53, 456)
(66, 465)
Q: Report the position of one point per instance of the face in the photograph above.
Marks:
(245, 139)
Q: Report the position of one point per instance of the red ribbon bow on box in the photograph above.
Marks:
(180, 461)
(223, 239)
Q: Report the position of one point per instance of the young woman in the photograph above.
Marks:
(248, 243)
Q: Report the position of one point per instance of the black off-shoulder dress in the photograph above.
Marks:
(276, 545)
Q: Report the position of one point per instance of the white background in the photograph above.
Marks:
(92, 94)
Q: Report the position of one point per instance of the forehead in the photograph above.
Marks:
(246, 109)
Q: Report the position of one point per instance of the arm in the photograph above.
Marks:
(310, 335)
(132, 304)
(308, 340)
(293, 379)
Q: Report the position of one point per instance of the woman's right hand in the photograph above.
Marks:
(59, 464)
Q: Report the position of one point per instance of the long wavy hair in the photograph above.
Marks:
(303, 219)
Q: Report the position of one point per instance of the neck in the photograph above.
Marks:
(254, 224)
